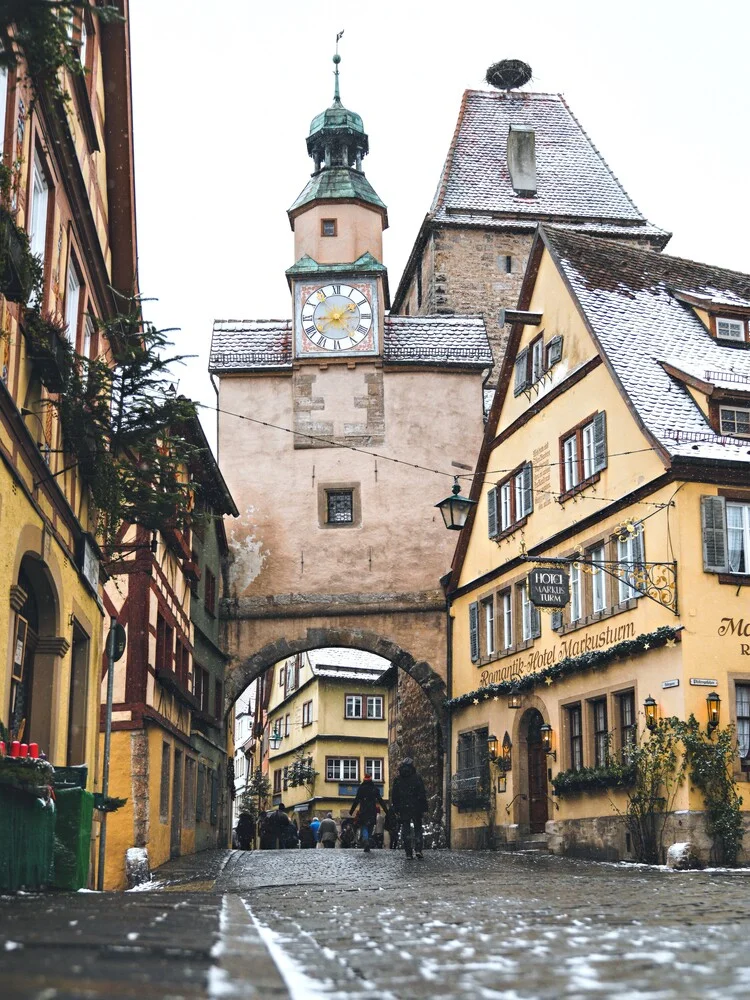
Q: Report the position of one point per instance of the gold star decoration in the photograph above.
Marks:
(646, 646)
(495, 698)
(486, 697)
(548, 681)
(476, 701)
(671, 643)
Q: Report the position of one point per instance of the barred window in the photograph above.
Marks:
(340, 506)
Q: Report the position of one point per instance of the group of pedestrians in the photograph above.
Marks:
(371, 816)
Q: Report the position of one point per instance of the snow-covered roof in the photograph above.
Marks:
(575, 186)
(439, 341)
(347, 664)
(628, 296)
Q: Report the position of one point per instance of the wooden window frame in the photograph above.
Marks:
(727, 316)
(307, 711)
(341, 780)
(489, 629)
(574, 740)
(324, 222)
(359, 717)
(511, 483)
(735, 407)
(583, 481)
(277, 781)
(374, 718)
(375, 760)
(600, 737)
(209, 593)
(627, 733)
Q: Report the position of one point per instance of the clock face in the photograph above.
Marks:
(337, 318)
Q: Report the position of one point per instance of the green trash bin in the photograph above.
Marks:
(27, 833)
(75, 812)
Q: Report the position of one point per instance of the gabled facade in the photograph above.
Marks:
(617, 445)
(516, 159)
(328, 709)
(70, 190)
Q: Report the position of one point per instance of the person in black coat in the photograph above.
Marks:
(409, 799)
(367, 799)
(282, 830)
(245, 831)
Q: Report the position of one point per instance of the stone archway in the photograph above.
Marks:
(242, 671)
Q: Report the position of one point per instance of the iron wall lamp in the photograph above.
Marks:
(649, 707)
(455, 508)
(514, 699)
(713, 704)
(492, 747)
(546, 733)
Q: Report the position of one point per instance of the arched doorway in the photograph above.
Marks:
(536, 771)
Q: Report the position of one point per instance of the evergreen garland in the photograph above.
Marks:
(594, 660)
(593, 779)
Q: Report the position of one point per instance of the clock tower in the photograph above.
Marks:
(339, 284)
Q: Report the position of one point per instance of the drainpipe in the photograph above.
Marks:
(216, 390)
(449, 728)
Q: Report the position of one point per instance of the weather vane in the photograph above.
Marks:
(336, 61)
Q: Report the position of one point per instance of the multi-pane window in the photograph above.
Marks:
(576, 602)
(583, 452)
(601, 734)
(328, 227)
(72, 300)
(307, 713)
(287, 725)
(630, 558)
(342, 769)
(88, 336)
(277, 781)
(3, 100)
(374, 767)
(506, 507)
(730, 329)
(339, 506)
(471, 783)
(627, 724)
(598, 580)
(575, 730)
(738, 537)
(742, 692)
(375, 706)
(734, 420)
(164, 644)
(506, 601)
(39, 202)
(488, 606)
(239, 766)
(209, 593)
(530, 623)
(511, 501)
(353, 706)
(537, 359)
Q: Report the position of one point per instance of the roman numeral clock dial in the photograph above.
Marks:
(336, 318)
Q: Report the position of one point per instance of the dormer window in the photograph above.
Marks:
(734, 420)
(731, 329)
(328, 227)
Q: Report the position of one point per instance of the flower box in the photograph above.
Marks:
(16, 262)
(48, 351)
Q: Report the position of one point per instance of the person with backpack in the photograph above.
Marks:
(245, 831)
(283, 831)
(328, 831)
(409, 799)
(366, 802)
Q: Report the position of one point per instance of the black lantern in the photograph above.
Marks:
(274, 741)
(713, 704)
(545, 731)
(492, 747)
(455, 508)
(649, 707)
(514, 699)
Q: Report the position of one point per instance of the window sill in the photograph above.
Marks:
(599, 616)
(503, 654)
(579, 488)
(736, 579)
(510, 530)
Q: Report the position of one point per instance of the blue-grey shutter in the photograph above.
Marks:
(528, 492)
(556, 620)
(492, 513)
(522, 372)
(536, 622)
(474, 631)
(554, 351)
(714, 523)
(600, 441)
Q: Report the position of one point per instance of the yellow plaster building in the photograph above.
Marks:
(618, 444)
(327, 709)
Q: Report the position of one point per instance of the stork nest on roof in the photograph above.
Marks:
(508, 74)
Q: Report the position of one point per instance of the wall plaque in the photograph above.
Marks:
(671, 684)
(703, 682)
(549, 588)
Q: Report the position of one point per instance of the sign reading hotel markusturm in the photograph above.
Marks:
(549, 588)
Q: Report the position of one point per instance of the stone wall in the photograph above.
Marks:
(418, 737)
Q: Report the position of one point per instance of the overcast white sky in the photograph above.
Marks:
(224, 95)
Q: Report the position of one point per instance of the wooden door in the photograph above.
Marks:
(176, 830)
(538, 814)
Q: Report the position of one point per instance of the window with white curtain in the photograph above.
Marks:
(72, 300)
(38, 213)
(743, 719)
(598, 580)
(588, 451)
(630, 556)
(489, 625)
(576, 604)
(507, 600)
(570, 460)
(738, 536)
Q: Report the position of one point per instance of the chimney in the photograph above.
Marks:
(522, 159)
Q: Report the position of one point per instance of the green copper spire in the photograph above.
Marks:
(336, 61)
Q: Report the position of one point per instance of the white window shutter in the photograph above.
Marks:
(714, 525)
(474, 631)
(528, 492)
(492, 528)
(600, 441)
(521, 372)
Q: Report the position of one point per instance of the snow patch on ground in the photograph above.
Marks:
(301, 986)
(146, 887)
(12, 945)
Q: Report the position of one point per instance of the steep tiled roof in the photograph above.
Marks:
(575, 185)
(632, 300)
(251, 345)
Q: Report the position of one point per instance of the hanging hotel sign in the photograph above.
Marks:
(549, 587)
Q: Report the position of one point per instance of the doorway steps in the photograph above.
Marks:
(530, 842)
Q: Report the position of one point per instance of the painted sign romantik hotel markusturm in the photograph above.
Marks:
(618, 441)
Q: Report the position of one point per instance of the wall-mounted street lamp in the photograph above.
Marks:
(274, 740)
(546, 733)
(649, 707)
(713, 704)
(455, 508)
(492, 747)
(514, 699)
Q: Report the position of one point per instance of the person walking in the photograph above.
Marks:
(380, 827)
(306, 836)
(366, 800)
(281, 829)
(315, 826)
(245, 831)
(391, 827)
(327, 831)
(409, 799)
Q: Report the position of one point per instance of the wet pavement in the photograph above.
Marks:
(342, 924)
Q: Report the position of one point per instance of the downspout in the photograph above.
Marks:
(216, 390)
(449, 727)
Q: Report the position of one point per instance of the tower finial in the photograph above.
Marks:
(336, 61)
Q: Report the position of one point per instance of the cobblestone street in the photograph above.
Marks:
(341, 924)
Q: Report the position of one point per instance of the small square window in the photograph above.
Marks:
(734, 420)
(328, 227)
(340, 506)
